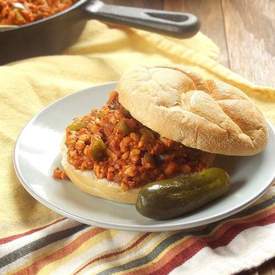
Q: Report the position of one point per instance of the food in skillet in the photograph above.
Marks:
(20, 12)
(162, 127)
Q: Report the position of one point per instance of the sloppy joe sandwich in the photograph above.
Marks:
(160, 122)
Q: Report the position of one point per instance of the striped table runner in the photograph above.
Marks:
(68, 247)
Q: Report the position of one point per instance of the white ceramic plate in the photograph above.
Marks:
(37, 154)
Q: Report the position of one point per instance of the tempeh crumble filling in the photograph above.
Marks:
(115, 146)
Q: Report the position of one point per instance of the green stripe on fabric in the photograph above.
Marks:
(175, 237)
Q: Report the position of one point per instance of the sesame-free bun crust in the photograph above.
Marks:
(200, 113)
(103, 188)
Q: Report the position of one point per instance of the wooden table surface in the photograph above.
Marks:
(244, 30)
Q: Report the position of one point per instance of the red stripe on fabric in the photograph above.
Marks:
(60, 253)
(14, 237)
(225, 239)
(244, 220)
(183, 244)
(217, 233)
(114, 253)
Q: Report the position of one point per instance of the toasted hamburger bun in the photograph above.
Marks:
(200, 113)
(103, 188)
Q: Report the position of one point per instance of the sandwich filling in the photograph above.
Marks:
(115, 146)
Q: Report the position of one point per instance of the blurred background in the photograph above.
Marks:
(243, 30)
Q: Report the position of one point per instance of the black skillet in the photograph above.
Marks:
(53, 34)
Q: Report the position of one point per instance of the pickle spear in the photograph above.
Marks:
(171, 198)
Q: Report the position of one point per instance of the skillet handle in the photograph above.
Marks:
(177, 24)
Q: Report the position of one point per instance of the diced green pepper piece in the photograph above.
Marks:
(98, 149)
(123, 128)
(77, 124)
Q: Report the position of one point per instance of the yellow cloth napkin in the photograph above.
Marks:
(101, 55)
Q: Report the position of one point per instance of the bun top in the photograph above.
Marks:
(200, 113)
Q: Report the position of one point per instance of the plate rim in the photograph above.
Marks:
(129, 227)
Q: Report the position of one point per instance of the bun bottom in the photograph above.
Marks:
(103, 188)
